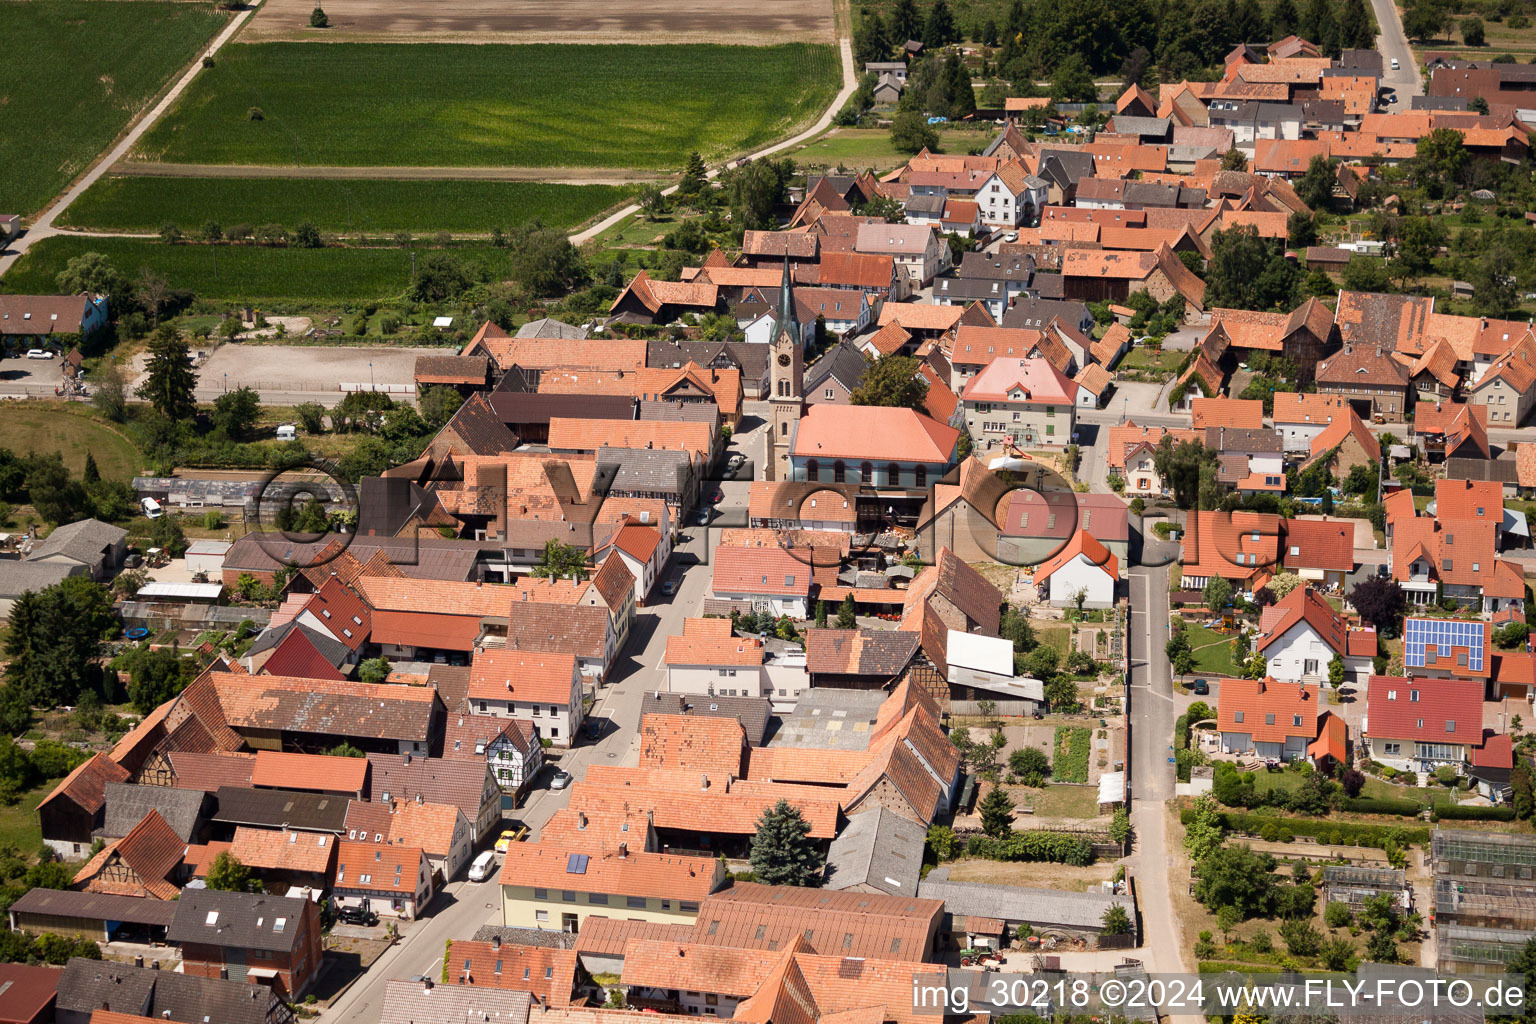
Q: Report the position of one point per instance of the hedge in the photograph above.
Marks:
(1383, 805)
(1338, 833)
(1468, 812)
(1061, 847)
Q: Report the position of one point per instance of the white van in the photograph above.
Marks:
(151, 508)
(483, 867)
(287, 432)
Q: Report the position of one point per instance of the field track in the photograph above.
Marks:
(744, 22)
(560, 175)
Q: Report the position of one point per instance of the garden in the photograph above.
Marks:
(447, 105)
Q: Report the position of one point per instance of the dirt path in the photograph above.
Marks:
(560, 175)
(43, 226)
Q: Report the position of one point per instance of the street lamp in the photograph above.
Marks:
(370, 375)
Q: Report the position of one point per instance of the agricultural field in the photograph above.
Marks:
(345, 206)
(534, 21)
(246, 273)
(861, 148)
(52, 427)
(443, 105)
(78, 72)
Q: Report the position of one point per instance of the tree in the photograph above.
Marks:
(1336, 672)
(1381, 602)
(1016, 628)
(151, 290)
(438, 277)
(1120, 826)
(1216, 594)
(892, 381)
(1179, 466)
(939, 30)
(1205, 833)
(156, 675)
(1442, 153)
(783, 852)
(544, 261)
(1282, 583)
(695, 179)
(1300, 937)
(374, 670)
(169, 378)
(1116, 920)
(1366, 273)
(227, 874)
(871, 45)
(911, 133)
(906, 23)
(1472, 32)
(1315, 187)
(1525, 963)
(1419, 240)
(235, 412)
(1338, 951)
(1073, 81)
(1380, 948)
(559, 561)
(438, 404)
(1238, 877)
(756, 189)
(1353, 782)
(1030, 765)
(318, 18)
(55, 638)
(1301, 230)
(1357, 29)
(846, 614)
(997, 813)
(962, 95)
(92, 272)
(345, 750)
(109, 392)
(1493, 286)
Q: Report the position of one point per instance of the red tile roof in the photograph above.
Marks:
(86, 786)
(152, 851)
(1086, 546)
(549, 974)
(1304, 605)
(655, 875)
(1239, 413)
(714, 746)
(1469, 499)
(343, 612)
(285, 850)
(1233, 545)
(1332, 739)
(372, 866)
(277, 770)
(877, 433)
(1258, 700)
(760, 570)
(1327, 544)
(705, 642)
(295, 655)
(1425, 709)
(522, 675)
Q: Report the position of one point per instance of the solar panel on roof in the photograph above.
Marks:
(576, 864)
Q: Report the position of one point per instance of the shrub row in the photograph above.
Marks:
(1337, 833)
(1059, 847)
(1464, 812)
(1383, 805)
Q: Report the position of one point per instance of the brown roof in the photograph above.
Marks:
(964, 586)
(376, 867)
(522, 675)
(606, 936)
(152, 851)
(295, 704)
(452, 369)
(688, 966)
(286, 850)
(86, 786)
(1362, 366)
(796, 244)
(309, 771)
(434, 780)
(715, 746)
(636, 873)
(868, 652)
(849, 924)
(579, 630)
(549, 974)
(209, 771)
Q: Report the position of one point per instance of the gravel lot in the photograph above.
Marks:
(306, 367)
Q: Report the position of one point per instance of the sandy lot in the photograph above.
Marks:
(305, 367)
(531, 21)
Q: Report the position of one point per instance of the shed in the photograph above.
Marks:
(207, 556)
(178, 593)
(99, 916)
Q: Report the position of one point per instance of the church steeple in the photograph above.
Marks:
(786, 318)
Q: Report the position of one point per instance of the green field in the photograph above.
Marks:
(38, 427)
(427, 104)
(861, 148)
(374, 206)
(246, 272)
(77, 72)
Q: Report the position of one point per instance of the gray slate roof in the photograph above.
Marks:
(127, 805)
(331, 649)
(1040, 907)
(96, 906)
(84, 541)
(825, 718)
(878, 848)
(548, 327)
(541, 937)
(1039, 312)
(663, 470)
(89, 985)
(752, 712)
(411, 1002)
(16, 578)
(237, 919)
(680, 412)
(843, 362)
(274, 808)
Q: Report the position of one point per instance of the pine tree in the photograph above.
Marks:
(1356, 30)
(694, 179)
(90, 474)
(783, 852)
(962, 96)
(871, 44)
(997, 814)
(906, 23)
(845, 614)
(170, 378)
(1282, 19)
(939, 31)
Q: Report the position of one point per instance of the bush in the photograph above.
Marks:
(1465, 812)
(1337, 915)
(1342, 833)
(1058, 847)
(1383, 805)
(319, 19)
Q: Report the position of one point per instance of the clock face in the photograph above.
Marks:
(783, 359)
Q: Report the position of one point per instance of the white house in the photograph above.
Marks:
(544, 689)
(1300, 634)
(766, 579)
(510, 746)
(919, 250)
(1011, 196)
(1300, 418)
(985, 664)
(708, 660)
(1083, 566)
(643, 548)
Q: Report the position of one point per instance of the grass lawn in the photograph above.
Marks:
(88, 69)
(18, 822)
(871, 147)
(1142, 357)
(246, 272)
(1059, 637)
(429, 104)
(1286, 781)
(374, 206)
(1212, 650)
(1060, 801)
(54, 427)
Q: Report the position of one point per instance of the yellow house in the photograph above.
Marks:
(557, 888)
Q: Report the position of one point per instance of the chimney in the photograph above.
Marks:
(426, 984)
(703, 782)
(154, 965)
(138, 961)
(407, 757)
(581, 819)
(623, 850)
(495, 941)
(223, 973)
(418, 798)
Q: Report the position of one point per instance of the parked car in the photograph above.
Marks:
(669, 587)
(39, 353)
(560, 779)
(1201, 687)
(1012, 236)
(516, 834)
(737, 459)
(357, 915)
(483, 866)
(1395, 65)
(594, 728)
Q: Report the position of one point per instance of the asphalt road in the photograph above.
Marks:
(459, 911)
(1393, 44)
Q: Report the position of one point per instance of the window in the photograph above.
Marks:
(920, 477)
(866, 472)
(541, 915)
(1392, 748)
(812, 471)
(1413, 695)
(541, 894)
(566, 896)
(688, 906)
(1237, 716)
(784, 429)
(1450, 725)
(635, 902)
(839, 472)
(1295, 719)
(598, 898)
(830, 394)
(892, 474)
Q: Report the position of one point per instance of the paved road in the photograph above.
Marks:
(1393, 44)
(43, 226)
(465, 906)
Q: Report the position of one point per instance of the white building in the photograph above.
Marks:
(544, 689)
(1083, 566)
